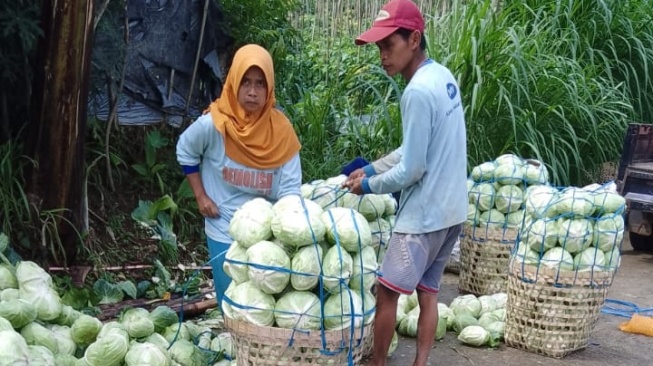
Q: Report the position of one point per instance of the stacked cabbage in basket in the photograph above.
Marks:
(573, 228)
(307, 262)
(36, 328)
(497, 189)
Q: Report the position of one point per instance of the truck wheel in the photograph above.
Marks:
(641, 243)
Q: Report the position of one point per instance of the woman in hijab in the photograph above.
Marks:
(240, 149)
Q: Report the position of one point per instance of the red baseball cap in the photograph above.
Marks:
(394, 15)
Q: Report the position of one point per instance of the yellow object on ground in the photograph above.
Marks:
(638, 325)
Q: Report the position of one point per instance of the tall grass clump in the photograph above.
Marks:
(14, 203)
(538, 81)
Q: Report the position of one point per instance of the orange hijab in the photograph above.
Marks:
(263, 141)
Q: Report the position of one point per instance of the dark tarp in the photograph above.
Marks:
(163, 39)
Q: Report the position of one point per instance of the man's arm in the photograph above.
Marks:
(383, 164)
(416, 115)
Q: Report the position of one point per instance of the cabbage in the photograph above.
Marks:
(526, 255)
(483, 172)
(307, 261)
(236, 271)
(137, 322)
(497, 328)
(380, 230)
(251, 305)
(18, 312)
(307, 189)
(112, 327)
(539, 201)
(40, 356)
(187, 354)
(608, 232)
(251, 222)
(390, 204)
(337, 268)
(347, 227)
(343, 310)
(510, 159)
(64, 359)
(488, 304)
(446, 315)
(325, 196)
(37, 335)
(515, 219)
(67, 317)
(178, 331)
(509, 173)
(500, 298)
(463, 321)
(5, 325)
(473, 214)
(536, 174)
(158, 339)
(109, 350)
(488, 318)
(296, 221)
(509, 199)
(606, 202)
(337, 180)
(9, 294)
(612, 258)
(268, 267)
(441, 329)
(363, 275)
(31, 277)
(85, 330)
(7, 278)
(223, 342)
(298, 310)
(492, 218)
(558, 258)
(408, 325)
(369, 306)
(64, 337)
(46, 301)
(541, 235)
(575, 235)
(482, 195)
(576, 202)
(162, 317)
(500, 313)
(474, 335)
(140, 354)
(393, 344)
(14, 349)
(466, 304)
(590, 259)
(371, 206)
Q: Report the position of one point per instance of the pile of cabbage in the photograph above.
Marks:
(497, 188)
(572, 229)
(378, 209)
(478, 321)
(296, 265)
(36, 329)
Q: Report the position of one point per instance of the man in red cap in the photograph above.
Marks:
(430, 170)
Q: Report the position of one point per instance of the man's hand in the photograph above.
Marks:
(208, 208)
(355, 185)
(356, 174)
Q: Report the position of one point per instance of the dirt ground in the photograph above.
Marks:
(608, 345)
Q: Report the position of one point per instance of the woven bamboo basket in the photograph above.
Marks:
(484, 258)
(258, 346)
(550, 312)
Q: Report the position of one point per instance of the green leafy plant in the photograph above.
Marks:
(150, 170)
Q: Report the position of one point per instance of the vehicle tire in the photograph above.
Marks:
(641, 243)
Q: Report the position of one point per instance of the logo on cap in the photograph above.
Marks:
(383, 15)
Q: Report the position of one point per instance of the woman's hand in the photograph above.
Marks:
(208, 208)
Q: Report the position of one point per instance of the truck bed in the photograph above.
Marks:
(647, 167)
